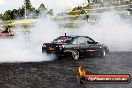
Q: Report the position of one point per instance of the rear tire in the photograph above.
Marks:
(75, 55)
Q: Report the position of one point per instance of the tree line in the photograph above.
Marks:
(31, 12)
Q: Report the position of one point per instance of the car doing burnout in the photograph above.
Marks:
(75, 47)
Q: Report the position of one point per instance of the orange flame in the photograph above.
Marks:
(81, 71)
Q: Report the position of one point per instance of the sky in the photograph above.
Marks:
(58, 5)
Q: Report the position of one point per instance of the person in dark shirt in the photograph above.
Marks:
(7, 30)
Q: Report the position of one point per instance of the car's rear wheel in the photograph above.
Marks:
(75, 55)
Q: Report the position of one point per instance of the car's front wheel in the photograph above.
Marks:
(102, 53)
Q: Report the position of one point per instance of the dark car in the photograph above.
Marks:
(75, 47)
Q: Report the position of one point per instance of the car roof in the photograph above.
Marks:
(73, 36)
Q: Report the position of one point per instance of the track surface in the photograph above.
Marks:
(62, 73)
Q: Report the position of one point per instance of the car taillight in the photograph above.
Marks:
(61, 46)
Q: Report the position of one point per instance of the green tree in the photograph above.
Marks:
(29, 6)
(29, 9)
(42, 9)
(7, 15)
(50, 12)
(15, 13)
(1, 16)
(21, 12)
(18, 13)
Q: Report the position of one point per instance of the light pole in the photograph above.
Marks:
(88, 1)
(25, 10)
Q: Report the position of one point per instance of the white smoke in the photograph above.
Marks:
(28, 48)
(20, 50)
(111, 30)
(45, 31)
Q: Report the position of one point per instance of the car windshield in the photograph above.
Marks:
(63, 39)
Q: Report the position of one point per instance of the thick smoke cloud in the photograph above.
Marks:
(112, 30)
(27, 48)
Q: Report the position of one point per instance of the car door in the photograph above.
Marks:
(84, 43)
(89, 43)
(81, 44)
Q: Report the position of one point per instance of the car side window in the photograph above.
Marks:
(80, 40)
(89, 40)
(75, 41)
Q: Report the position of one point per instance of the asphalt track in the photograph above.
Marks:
(62, 73)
